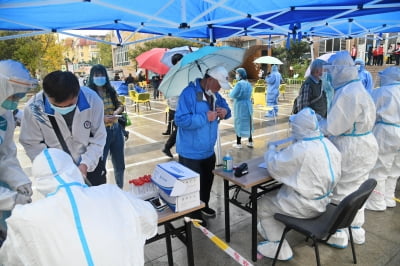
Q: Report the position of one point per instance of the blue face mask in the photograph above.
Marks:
(11, 103)
(99, 81)
(63, 110)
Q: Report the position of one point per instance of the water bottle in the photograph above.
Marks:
(228, 162)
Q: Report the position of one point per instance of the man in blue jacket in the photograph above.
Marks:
(199, 109)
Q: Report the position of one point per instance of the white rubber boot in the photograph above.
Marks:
(376, 201)
(261, 231)
(391, 183)
(338, 239)
(268, 249)
(358, 234)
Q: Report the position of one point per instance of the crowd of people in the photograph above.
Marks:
(344, 132)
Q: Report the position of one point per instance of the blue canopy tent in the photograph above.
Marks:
(207, 19)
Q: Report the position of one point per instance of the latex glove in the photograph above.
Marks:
(25, 189)
(22, 199)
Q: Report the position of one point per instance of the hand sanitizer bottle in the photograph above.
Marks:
(228, 162)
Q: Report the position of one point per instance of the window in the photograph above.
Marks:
(121, 56)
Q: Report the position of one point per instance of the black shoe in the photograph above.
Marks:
(207, 211)
(197, 215)
(166, 133)
(167, 152)
(126, 135)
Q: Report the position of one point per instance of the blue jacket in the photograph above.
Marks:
(196, 136)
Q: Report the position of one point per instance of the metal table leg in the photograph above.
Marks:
(254, 223)
(169, 246)
(226, 203)
(189, 243)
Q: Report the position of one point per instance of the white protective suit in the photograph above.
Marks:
(75, 224)
(349, 122)
(309, 170)
(88, 136)
(15, 80)
(387, 133)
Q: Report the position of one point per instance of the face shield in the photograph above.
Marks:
(341, 69)
(15, 82)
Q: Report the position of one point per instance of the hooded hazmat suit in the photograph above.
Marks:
(75, 224)
(273, 82)
(309, 170)
(364, 75)
(387, 133)
(349, 122)
(242, 106)
(15, 81)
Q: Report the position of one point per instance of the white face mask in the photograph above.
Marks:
(237, 77)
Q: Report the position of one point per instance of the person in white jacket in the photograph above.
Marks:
(387, 133)
(309, 170)
(75, 224)
(15, 186)
(349, 124)
(79, 114)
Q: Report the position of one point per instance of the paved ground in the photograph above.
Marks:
(143, 152)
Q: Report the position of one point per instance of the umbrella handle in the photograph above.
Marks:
(198, 66)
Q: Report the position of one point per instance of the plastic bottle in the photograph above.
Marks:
(228, 162)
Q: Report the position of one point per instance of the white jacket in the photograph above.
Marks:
(11, 172)
(88, 137)
(75, 224)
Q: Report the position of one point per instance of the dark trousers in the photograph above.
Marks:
(171, 125)
(172, 139)
(204, 167)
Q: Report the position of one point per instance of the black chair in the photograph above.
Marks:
(320, 228)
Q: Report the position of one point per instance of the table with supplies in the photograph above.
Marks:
(184, 232)
(256, 183)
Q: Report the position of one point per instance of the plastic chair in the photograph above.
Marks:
(282, 90)
(259, 95)
(320, 228)
(143, 98)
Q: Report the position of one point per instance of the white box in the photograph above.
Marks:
(175, 179)
(183, 202)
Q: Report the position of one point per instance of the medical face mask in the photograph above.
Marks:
(11, 103)
(237, 77)
(99, 81)
(358, 67)
(63, 110)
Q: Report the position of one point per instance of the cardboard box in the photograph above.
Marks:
(174, 179)
(181, 203)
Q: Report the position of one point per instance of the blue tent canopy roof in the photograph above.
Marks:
(209, 19)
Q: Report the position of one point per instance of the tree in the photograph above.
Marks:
(293, 57)
(40, 54)
(105, 52)
(160, 43)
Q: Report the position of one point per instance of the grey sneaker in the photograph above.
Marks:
(250, 144)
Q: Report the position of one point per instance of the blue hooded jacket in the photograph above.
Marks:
(196, 135)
